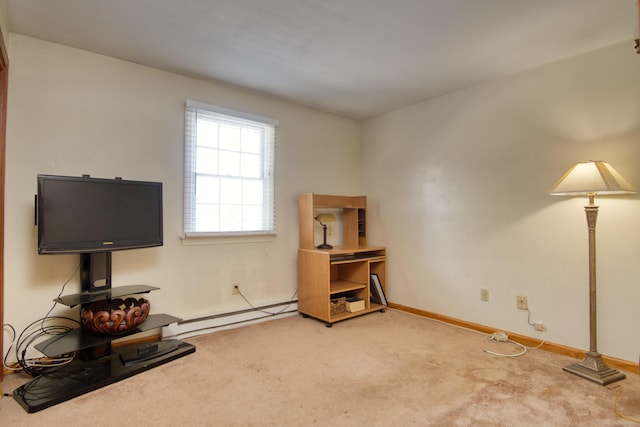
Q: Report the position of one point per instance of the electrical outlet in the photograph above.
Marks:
(235, 289)
(522, 303)
(484, 294)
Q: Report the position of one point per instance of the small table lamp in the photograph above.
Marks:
(588, 179)
(323, 219)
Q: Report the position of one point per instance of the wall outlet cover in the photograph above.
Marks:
(522, 302)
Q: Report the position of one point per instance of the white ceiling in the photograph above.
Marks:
(356, 58)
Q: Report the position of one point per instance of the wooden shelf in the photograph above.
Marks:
(324, 274)
(348, 315)
(353, 258)
(353, 218)
(338, 286)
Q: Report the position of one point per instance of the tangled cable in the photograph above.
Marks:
(33, 333)
(29, 337)
(502, 337)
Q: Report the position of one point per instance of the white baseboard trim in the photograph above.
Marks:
(217, 322)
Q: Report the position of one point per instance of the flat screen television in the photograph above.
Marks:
(86, 215)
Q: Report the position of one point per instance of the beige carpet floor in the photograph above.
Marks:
(382, 369)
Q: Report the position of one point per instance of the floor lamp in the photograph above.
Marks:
(591, 178)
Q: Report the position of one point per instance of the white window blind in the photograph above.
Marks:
(229, 172)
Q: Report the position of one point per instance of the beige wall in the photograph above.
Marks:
(4, 23)
(458, 190)
(72, 112)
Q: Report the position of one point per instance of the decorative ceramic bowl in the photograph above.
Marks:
(116, 316)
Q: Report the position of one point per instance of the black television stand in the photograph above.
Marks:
(97, 364)
(80, 377)
(135, 354)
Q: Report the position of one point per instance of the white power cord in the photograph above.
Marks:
(499, 337)
(502, 337)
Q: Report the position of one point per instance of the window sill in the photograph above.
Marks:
(226, 238)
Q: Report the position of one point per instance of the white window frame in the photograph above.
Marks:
(264, 231)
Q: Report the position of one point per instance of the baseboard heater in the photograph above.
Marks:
(215, 322)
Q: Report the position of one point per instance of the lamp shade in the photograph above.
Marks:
(325, 217)
(592, 177)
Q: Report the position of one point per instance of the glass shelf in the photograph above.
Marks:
(81, 377)
(80, 338)
(87, 297)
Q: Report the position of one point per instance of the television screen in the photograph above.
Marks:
(83, 214)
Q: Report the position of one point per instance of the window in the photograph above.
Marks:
(229, 172)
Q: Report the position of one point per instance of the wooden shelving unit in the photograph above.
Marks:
(329, 274)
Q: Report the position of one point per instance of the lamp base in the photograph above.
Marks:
(593, 368)
(324, 246)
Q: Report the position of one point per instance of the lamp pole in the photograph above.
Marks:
(592, 216)
(592, 367)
